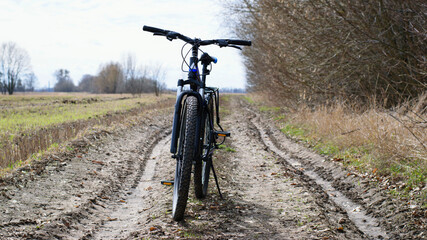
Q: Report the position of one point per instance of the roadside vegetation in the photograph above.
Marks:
(346, 77)
(387, 145)
(31, 124)
(318, 51)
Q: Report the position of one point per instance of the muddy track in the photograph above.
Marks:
(362, 199)
(273, 188)
(339, 210)
(67, 195)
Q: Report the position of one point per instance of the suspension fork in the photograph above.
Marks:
(177, 116)
(197, 86)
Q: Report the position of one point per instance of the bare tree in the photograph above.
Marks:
(141, 79)
(132, 75)
(2, 87)
(157, 75)
(87, 83)
(129, 77)
(20, 87)
(130, 69)
(30, 82)
(14, 64)
(109, 78)
(64, 82)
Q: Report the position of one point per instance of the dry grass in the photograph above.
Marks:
(391, 143)
(394, 136)
(34, 123)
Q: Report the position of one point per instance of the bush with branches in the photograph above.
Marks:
(323, 50)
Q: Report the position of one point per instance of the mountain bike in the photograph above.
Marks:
(194, 136)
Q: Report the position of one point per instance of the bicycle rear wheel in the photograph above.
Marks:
(202, 168)
(186, 149)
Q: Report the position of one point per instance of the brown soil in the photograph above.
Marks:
(109, 188)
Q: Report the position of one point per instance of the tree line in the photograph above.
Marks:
(114, 77)
(318, 51)
(15, 69)
(16, 75)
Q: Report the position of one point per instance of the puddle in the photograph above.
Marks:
(355, 212)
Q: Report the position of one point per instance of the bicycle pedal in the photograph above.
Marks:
(167, 183)
(222, 134)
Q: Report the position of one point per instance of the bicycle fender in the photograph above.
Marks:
(177, 118)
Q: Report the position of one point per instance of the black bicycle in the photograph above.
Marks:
(194, 137)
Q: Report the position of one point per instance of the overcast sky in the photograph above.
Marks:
(80, 35)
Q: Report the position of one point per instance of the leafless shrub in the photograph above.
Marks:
(320, 51)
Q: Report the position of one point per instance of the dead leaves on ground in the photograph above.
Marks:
(98, 162)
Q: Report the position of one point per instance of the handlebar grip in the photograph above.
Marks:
(240, 42)
(153, 29)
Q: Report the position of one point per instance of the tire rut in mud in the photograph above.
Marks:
(123, 217)
(362, 199)
(263, 198)
(341, 212)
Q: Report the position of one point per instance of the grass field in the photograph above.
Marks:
(30, 123)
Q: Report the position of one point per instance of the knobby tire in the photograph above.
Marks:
(202, 168)
(186, 154)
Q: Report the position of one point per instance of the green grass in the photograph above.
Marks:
(227, 149)
(248, 99)
(414, 176)
(188, 234)
(269, 109)
(23, 117)
(280, 117)
(294, 131)
(35, 123)
(225, 98)
(327, 148)
(362, 159)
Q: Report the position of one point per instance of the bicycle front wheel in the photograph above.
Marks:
(187, 137)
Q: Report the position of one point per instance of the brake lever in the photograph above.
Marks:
(172, 35)
(235, 46)
(222, 43)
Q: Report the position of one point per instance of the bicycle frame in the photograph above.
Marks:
(197, 85)
(197, 89)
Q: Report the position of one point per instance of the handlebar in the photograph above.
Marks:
(240, 42)
(171, 35)
(154, 30)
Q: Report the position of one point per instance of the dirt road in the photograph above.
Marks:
(108, 187)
